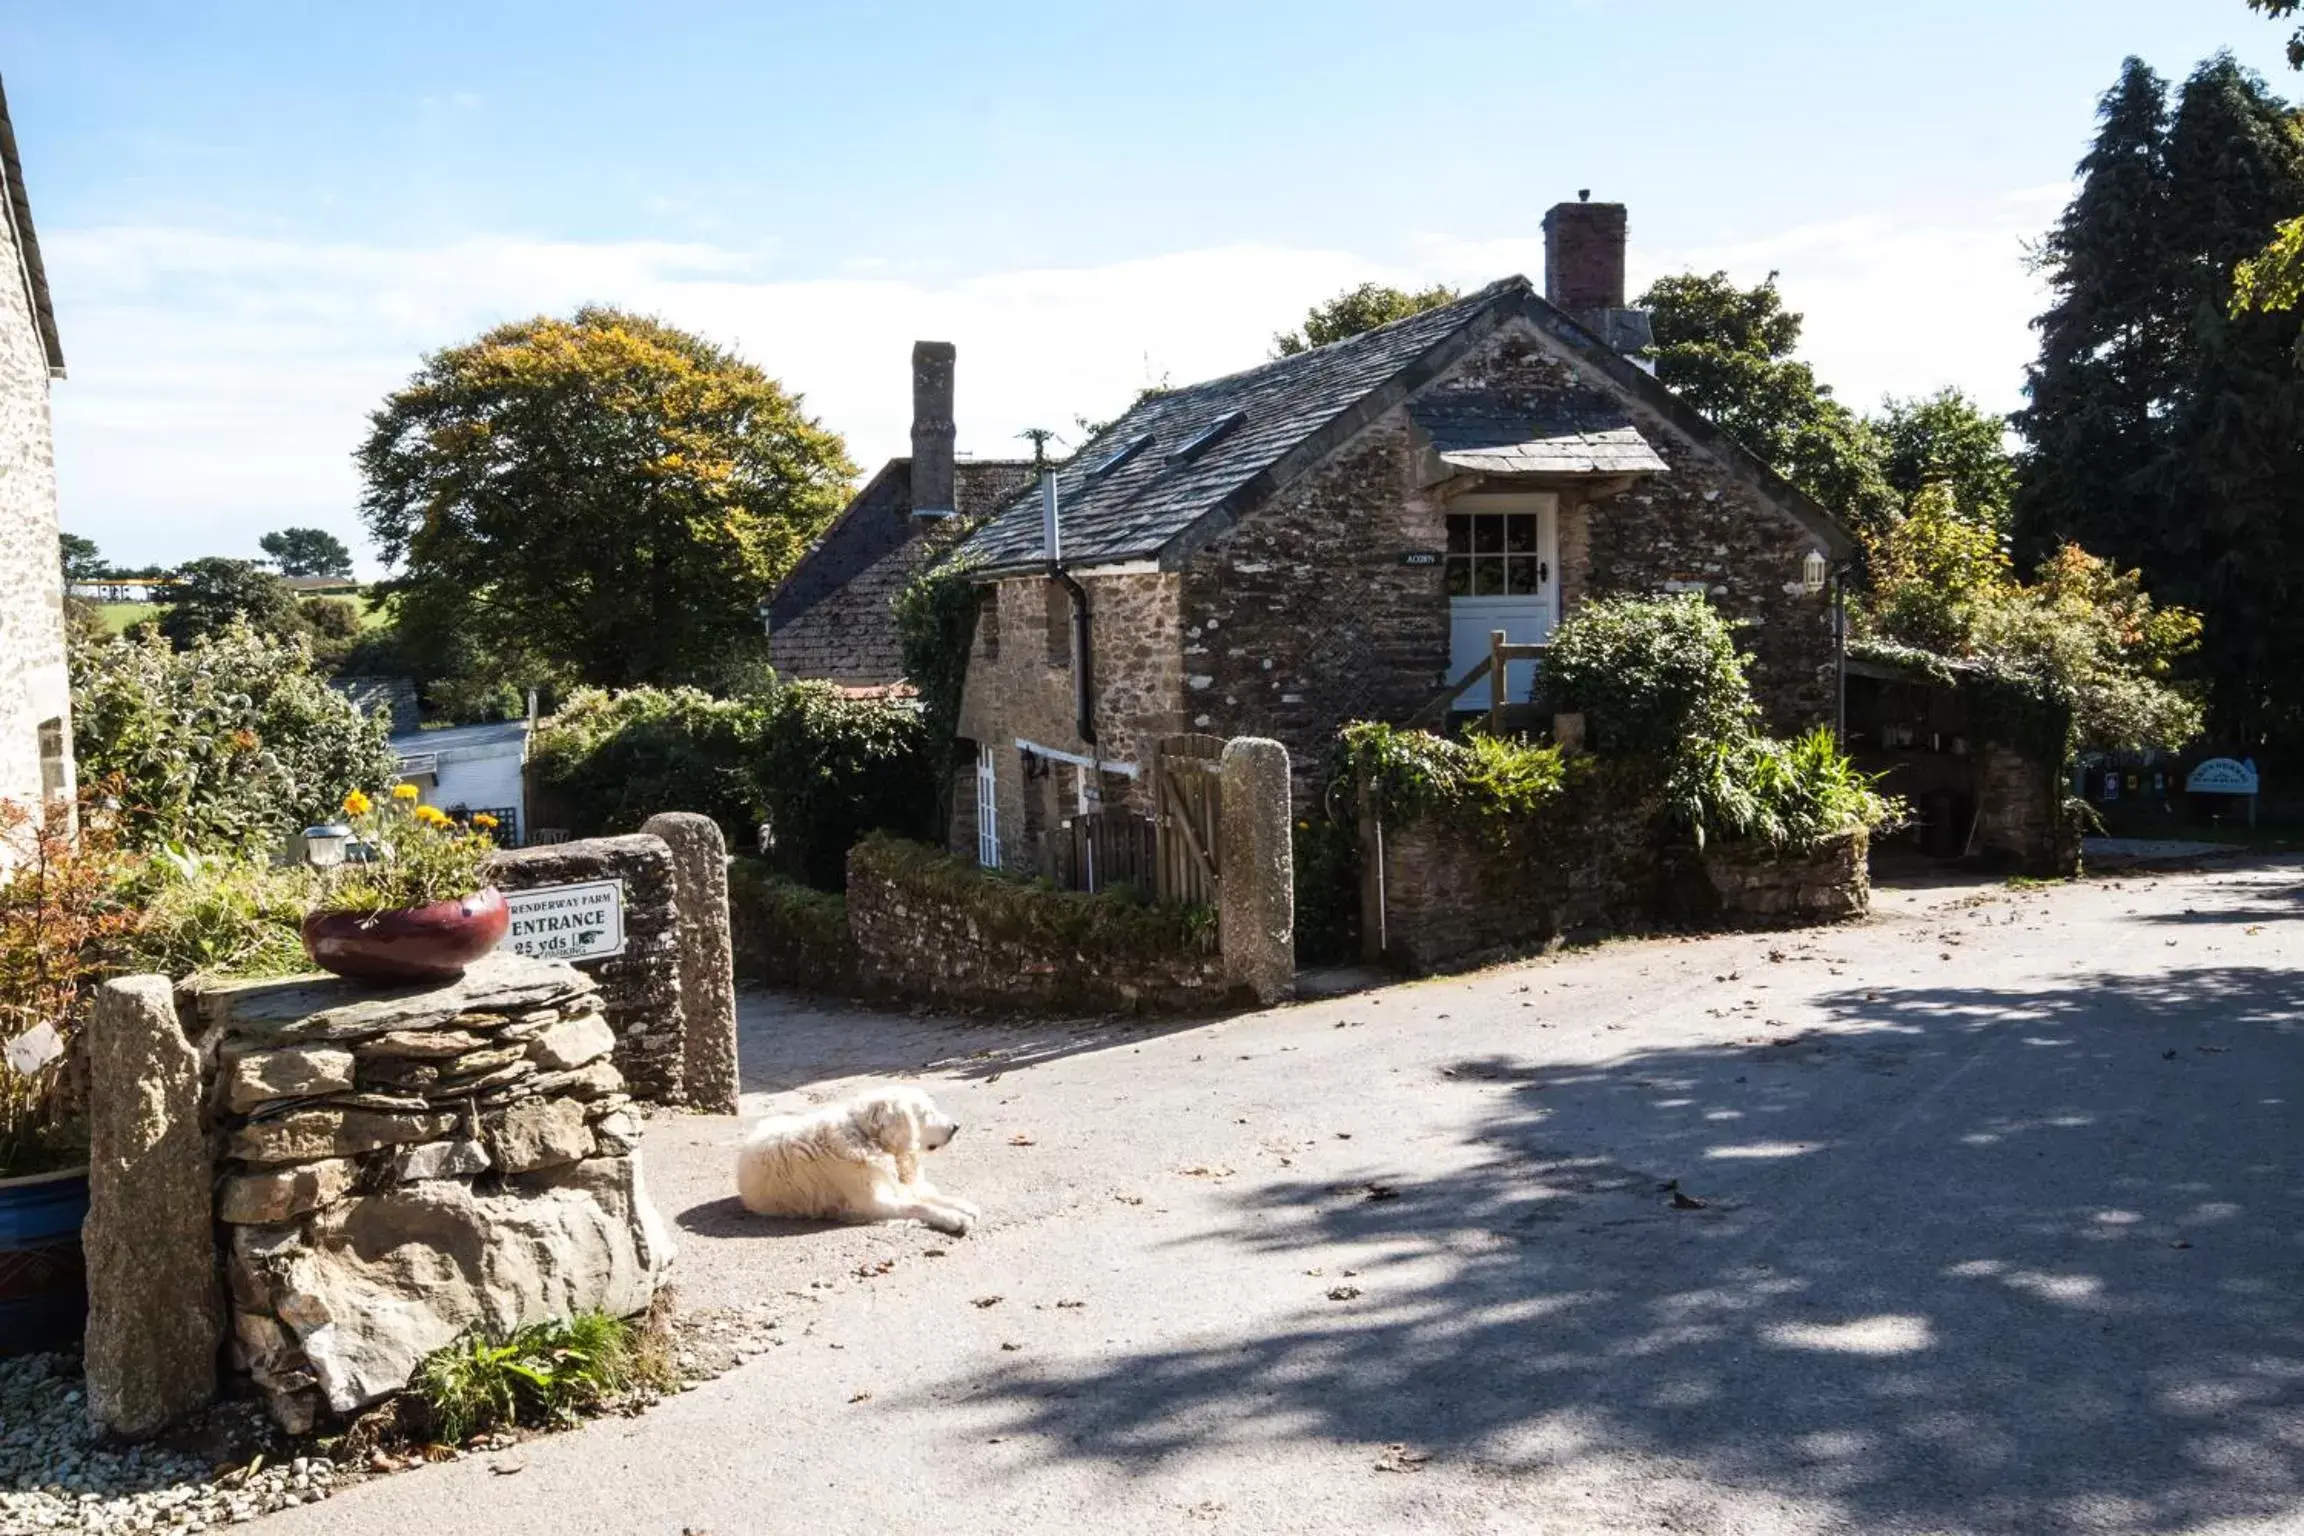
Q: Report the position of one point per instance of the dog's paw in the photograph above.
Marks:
(955, 1224)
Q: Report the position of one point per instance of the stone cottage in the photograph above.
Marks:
(1333, 536)
(35, 692)
(832, 617)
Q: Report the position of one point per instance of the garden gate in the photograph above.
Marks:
(1188, 800)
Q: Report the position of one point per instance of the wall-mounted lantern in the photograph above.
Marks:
(1812, 572)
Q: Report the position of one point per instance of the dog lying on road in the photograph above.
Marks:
(858, 1160)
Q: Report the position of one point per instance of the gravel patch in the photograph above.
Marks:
(57, 1474)
(231, 1463)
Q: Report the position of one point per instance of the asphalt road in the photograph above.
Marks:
(1991, 1224)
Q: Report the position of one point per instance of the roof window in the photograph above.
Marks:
(1120, 456)
(1208, 437)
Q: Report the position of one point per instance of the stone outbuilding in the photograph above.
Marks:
(1334, 536)
(832, 618)
(35, 692)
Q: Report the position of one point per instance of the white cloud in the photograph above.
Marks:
(220, 383)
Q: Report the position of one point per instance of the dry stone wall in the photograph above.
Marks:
(929, 929)
(397, 1166)
(640, 989)
(1597, 860)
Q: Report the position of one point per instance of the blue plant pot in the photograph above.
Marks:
(43, 1279)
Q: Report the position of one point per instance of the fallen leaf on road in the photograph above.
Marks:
(867, 1271)
(1682, 1201)
(1070, 1305)
(1343, 1292)
(1398, 1458)
(861, 1397)
(1382, 1192)
(506, 1466)
(986, 1301)
(1129, 1199)
(1011, 1346)
(2213, 1050)
(1022, 1141)
(933, 1253)
(1343, 1135)
(1201, 1171)
(2179, 1243)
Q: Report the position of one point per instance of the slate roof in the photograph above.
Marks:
(877, 519)
(1487, 434)
(1160, 499)
(32, 270)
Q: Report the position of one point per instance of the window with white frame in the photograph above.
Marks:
(1495, 554)
(987, 809)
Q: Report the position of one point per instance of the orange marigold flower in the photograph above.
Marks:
(484, 821)
(358, 804)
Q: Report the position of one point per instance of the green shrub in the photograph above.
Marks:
(220, 915)
(547, 1373)
(788, 934)
(1415, 773)
(829, 768)
(227, 745)
(1793, 794)
(1327, 860)
(606, 762)
(1648, 674)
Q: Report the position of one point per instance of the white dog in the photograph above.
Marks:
(853, 1161)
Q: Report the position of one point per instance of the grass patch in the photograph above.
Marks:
(545, 1375)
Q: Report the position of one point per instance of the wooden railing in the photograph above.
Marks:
(1501, 654)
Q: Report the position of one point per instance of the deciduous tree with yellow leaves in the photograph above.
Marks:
(602, 499)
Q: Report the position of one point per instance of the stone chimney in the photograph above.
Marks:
(1584, 270)
(932, 429)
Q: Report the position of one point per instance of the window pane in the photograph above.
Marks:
(1488, 578)
(1459, 534)
(1488, 535)
(1520, 575)
(1459, 576)
(1520, 533)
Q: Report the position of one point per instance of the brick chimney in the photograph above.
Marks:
(1584, 270)
(932, 429)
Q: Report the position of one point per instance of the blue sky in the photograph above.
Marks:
(259, 216)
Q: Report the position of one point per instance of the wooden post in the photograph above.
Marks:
(1495, 681)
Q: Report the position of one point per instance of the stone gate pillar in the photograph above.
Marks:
(707, 958)
(1256, 914)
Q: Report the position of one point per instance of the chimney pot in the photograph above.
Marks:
(932, 428)
(1584, 255)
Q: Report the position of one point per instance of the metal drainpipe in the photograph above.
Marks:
(1840, 658)
(1083, 664)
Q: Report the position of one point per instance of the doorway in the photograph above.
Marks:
(1503, 572)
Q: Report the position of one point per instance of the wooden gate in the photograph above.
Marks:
(1188, 794)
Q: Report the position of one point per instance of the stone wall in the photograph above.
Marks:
(640, 989)
(1768, 887)
(785, 934)
(1456, 895)
(33, 685)
(1597, 860)
(933, 929)
(2020, 816)
(396, 1166)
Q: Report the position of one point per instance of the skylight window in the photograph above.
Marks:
(1208, 437)
(1120, 456)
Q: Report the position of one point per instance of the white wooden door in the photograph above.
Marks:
(1503, 572)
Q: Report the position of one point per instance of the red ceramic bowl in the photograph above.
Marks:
(433, 943)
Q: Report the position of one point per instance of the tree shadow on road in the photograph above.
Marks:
(787, 1041)
(1971, 1259)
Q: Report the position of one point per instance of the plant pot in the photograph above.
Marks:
(43, 1279)
(433, 943)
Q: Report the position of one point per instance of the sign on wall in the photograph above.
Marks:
(584, 921)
